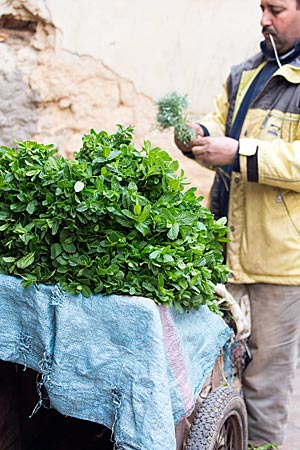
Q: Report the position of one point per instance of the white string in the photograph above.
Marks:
(275, 50)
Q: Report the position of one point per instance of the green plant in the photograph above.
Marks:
(171, 114)
(113, 220)
(263, 447)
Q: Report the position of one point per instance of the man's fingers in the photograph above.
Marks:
(199, 147)
(198, 142)
(195, 126)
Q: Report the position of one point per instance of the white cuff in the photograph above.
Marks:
(248, 147)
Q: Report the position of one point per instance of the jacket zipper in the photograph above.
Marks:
(288, 119)
(280, 199)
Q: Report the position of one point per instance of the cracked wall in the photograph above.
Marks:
(52, 95)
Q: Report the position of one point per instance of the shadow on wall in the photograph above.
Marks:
(18, 112)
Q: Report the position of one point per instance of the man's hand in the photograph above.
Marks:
(214, 151)
(210, 151)
(185, 148)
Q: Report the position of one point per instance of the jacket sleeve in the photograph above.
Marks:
(215, 122)
(274, 163)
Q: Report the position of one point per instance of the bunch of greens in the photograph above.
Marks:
(113, 220)
(171, 114)
(263, 447)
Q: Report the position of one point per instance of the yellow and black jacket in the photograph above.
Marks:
(264, 197)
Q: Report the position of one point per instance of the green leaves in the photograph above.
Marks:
(56, 250)
(113, 220)
(174, 231)
(26, 261)
(263, 447)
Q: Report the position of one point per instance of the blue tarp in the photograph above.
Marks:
(120, 361)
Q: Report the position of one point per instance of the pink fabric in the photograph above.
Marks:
(176, 360)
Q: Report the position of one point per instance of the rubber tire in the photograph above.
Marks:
(223, 407)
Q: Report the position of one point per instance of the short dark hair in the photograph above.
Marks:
(298, 4)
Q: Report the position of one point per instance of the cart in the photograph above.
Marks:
(155, 379)
(219, 419)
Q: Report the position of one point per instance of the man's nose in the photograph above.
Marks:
(266, 19)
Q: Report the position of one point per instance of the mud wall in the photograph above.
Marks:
(54, 85)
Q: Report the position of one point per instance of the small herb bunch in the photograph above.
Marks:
(171, 114)
(113, 220)
(263, 447)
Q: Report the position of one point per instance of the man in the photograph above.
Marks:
(253, 141)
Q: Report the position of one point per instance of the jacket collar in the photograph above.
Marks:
(292, 56)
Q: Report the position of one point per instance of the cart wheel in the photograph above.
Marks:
(220, 423)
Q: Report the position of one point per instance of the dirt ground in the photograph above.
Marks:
(293, 430)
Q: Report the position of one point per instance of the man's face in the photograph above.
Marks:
(281, 18)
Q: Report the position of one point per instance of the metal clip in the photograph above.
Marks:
(279, 197)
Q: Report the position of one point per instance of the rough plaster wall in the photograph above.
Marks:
(18, 115)
(163, 45)
(53, 96)
(18, 112)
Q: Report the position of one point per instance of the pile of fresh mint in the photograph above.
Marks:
(113, 220)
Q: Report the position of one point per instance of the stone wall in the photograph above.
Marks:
(53, 95)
